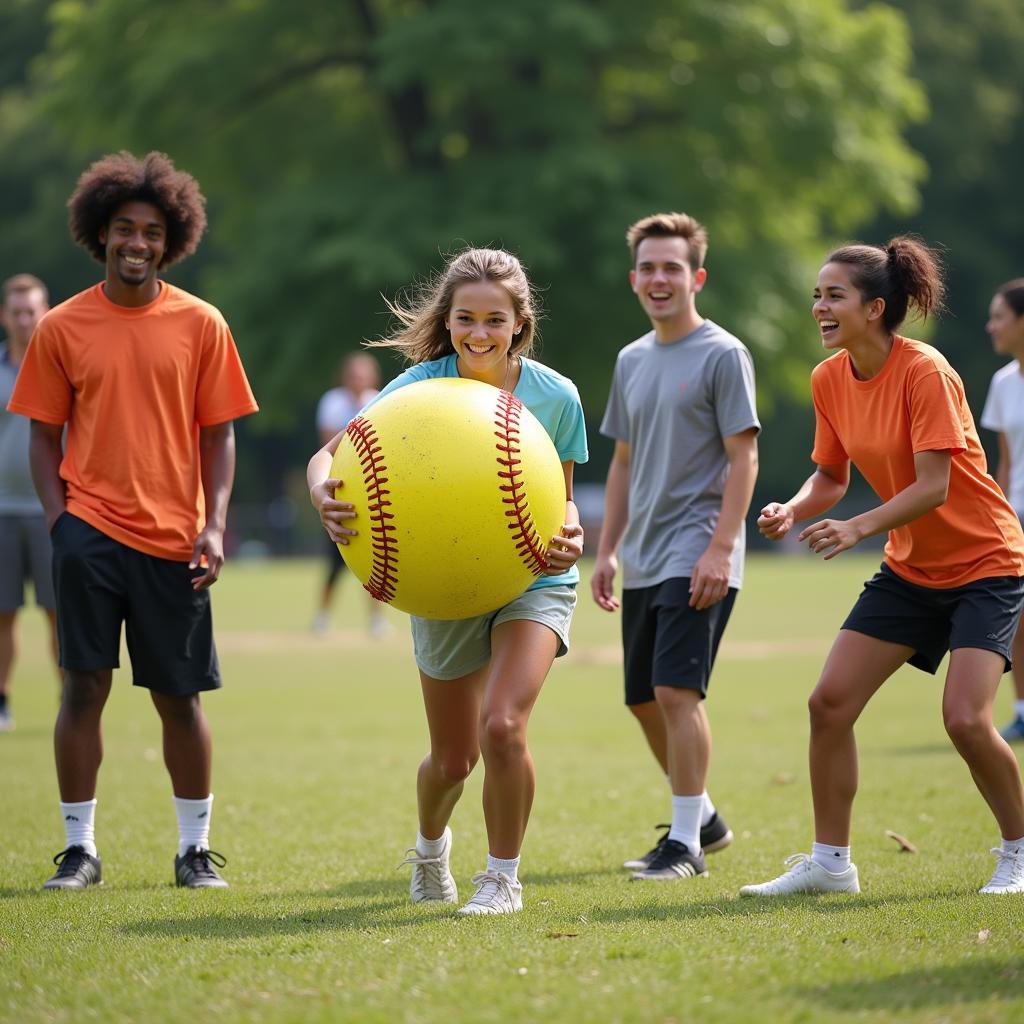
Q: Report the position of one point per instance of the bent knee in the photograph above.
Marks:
(503, 734)
(967, 729)
(829, 710)
(454, 766)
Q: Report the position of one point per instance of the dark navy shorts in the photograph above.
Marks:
(983, 614)
(101, 583)
(666, 642)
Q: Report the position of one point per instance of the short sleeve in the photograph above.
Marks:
(43, 390)
(571, 435)
(828, 447)
(222, 391)
(993, 416)
(936, 414)
(734, 393)
(616, 419)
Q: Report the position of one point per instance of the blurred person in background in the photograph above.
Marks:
(24, 537)
(358, 382)
(1004, 413)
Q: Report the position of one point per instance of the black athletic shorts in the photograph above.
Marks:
(668, 643)
(983, 614)
(101, 583)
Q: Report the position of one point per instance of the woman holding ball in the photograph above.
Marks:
(951, 577)
(480, 677)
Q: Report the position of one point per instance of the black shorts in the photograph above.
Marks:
(668, 643)
(101, 583)
(983, 614)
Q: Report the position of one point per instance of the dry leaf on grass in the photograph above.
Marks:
(906, 846)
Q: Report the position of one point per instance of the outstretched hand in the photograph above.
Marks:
(831, 536)
(775, 520)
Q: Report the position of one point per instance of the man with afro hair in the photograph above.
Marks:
(147, 380)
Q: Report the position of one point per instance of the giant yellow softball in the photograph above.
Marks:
(458, 491)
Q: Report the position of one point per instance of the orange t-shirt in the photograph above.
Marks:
(134, 387)
(914, 404)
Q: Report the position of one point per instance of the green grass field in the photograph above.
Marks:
(316, 743)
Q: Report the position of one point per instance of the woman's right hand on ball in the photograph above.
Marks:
(333, 513)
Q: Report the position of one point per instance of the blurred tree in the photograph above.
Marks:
(345, 145)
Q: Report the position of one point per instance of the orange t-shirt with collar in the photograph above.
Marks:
(916, 403)
(134, 385)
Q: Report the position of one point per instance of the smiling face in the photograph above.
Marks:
(1005, 328)
(843, 317)
(666, 284)
(135, 240)
(483, 324)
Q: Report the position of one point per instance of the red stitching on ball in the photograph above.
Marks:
(384, 571)
(528, 541)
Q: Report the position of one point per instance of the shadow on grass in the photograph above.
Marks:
(970, 981)
(736, 907)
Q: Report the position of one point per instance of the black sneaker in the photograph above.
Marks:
(714, 836)
(673, 861)
(195, 869)
(75, 870)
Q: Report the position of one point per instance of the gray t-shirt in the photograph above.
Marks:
(17, 492)
(672, 404)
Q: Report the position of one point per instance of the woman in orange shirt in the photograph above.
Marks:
(952, 575)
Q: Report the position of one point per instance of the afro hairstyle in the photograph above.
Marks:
(121, 178)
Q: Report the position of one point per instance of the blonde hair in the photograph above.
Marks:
(421, 333)
(671, 225)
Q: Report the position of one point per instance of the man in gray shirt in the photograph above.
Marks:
(682, 415)
(24, 539)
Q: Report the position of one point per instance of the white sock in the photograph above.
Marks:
(1018, 707)
(495, 865)
(1013, 845)
(193, 823)
(708, 811)
(429, 847)
(831, 858)
(686, 815)
(78, 825)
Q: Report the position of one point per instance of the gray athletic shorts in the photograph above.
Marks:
(25, 555)
(451, 649)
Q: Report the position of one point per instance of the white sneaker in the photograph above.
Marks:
(496, 894)
(805, 876)
(1009, 875)
(432, 880)
(6, 721)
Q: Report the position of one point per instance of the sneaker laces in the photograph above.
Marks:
(69, 861)
(430, 873)
(1009, 866)
(199, 862)
(494, 886)
(667, 853)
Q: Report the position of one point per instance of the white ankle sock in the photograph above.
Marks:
(429, 847)
(78, 825)
(193, 823)
(686, 817)
(505, 867)
(1012, 845)
(1018, 708)
(831, 858)
(708, 810)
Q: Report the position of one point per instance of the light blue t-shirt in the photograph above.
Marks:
(552, 398)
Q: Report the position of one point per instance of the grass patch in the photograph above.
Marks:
(316, 743)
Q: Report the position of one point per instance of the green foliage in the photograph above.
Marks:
(316, 743)
(345, 148)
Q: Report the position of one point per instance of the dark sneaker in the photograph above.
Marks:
(195, 869)
(1014, 732)
(672, 861)
(714, 836)
(75, 870)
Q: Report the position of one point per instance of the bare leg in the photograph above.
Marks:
(188, 751)
(521, 656)
(689, 739)
(652, 722)
(77, 736)
(856, 667)
(453, 709)
(1017, 654)
(8, 648)
(971, 684)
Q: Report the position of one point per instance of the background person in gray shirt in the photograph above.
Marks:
(682, 415)
(24, 539)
